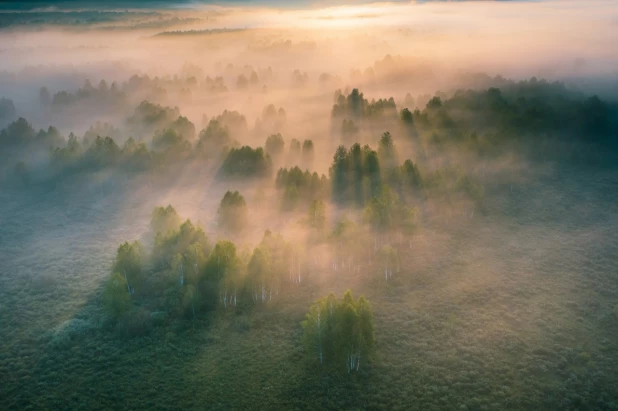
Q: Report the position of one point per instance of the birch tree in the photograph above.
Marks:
(339, 333)
(222, 269)
(128, 263)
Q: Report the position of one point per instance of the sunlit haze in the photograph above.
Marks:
(309, 205)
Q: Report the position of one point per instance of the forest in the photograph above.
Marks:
(316, 208)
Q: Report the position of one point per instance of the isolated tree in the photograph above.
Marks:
(339, 332)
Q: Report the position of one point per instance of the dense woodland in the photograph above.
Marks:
(252, 235)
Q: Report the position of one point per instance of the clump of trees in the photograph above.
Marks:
(188, 239)
(184, 275)
(385, 212)
(149, 117)
(232, 212)
(165, 219)
(300, 186)
(247, 162)
(355, 174)
(273, 262)
(339, 332)
(355, 106)
(214, 138)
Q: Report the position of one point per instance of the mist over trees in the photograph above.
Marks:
(250, 207)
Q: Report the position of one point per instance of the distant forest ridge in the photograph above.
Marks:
(198, 32)
(158, 4)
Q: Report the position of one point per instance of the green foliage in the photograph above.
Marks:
(165, 219)
(406, 179)
(387, 152)
(103, 152)
(188, 240)
(129, 263)
(345, 229)
(271, 262)
(116, 297)
(222, 276)
(339, 332)
(19, 138)
(171, 142)
(247, 162)
(233, 212)
(385, 212)
(215, 137)
(149, 117)
(355, 174)
(190, 299)
(355, 106)
(274, 145)
(299, 185)
(100, 129)
(308, 151)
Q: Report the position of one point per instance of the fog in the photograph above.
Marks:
(452, 162)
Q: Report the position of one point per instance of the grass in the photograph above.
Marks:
(512, 310)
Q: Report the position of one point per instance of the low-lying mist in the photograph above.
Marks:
(369, 206)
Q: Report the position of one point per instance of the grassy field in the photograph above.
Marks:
(515, 309)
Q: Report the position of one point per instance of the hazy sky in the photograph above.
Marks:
(33, 4)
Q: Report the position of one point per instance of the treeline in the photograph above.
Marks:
(173, 141)
(532, 112)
